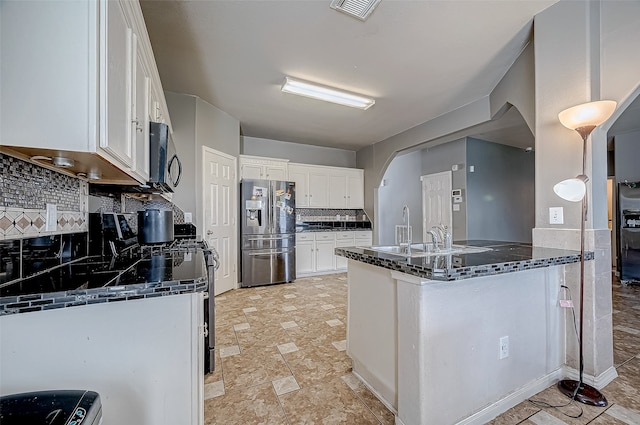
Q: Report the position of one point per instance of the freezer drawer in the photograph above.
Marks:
(268, 266)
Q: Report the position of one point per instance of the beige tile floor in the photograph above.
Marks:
(282, 360)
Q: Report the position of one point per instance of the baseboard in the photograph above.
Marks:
(490, 412)
(597, 382)
(375, 393)
(311, 274)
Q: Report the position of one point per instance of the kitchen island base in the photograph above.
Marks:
(431, 349)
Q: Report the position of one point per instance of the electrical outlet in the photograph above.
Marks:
(556, 215)
(504, 347)
(188, 217)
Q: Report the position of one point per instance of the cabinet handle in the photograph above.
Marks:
(138, 126)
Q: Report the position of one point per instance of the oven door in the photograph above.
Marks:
(213, 262)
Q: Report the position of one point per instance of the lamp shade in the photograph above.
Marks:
(587, 114)
(572, 190)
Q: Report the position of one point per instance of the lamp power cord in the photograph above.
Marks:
(571, 402)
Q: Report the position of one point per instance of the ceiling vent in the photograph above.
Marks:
(360, 9)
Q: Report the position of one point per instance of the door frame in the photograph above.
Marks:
(233, 201)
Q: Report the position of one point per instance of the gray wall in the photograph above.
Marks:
(402, 186)
(500, 192)
(627, 156)
(295, 152)
(197, 123)
(182, 110)
(441, 158)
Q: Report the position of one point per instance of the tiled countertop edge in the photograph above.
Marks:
(469, 272)
(64, 299)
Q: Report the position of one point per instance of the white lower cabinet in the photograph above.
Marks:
(305, 253)
(315, 251)
(325, 245)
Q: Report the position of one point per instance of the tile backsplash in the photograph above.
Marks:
(27, 188)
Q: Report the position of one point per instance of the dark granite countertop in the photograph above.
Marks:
(94, 280)
(503, 257)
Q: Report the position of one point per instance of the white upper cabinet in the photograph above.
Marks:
(327, 187)
(299, 174)
(255, 167)
(77, 78)
(355, 189)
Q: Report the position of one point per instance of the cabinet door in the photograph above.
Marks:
(318, 188)
(305, 257)
(337, 191)
(300, 177)
(140, 116)
(275, 172)
(341, 262)
(325, 258)
(119, 49)
(355, 190)
(251, 171)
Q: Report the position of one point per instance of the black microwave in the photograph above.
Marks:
(165, 168)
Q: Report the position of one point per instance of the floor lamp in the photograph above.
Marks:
(583, 119)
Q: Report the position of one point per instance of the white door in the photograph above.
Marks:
(436, 202)
(305, 257)
(318, 188)
(219, 204)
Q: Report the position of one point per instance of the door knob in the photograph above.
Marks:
(209, 232)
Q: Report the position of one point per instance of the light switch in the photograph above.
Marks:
(556, 215)
(51, 218)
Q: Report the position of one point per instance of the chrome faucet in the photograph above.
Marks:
(445, 236)
(434, 238)
(405, 219)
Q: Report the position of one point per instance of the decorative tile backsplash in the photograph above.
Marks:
(29, 186)
(326, 214)
(27, 189)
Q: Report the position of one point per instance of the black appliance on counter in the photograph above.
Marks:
(59, 407)
(628, 232)
(109, 234)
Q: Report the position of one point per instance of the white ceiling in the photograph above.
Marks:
(419, 59)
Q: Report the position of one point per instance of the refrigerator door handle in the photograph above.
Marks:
(269, 252)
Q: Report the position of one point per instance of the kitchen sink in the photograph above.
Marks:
(417, 250)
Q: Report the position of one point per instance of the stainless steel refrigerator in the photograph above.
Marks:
(268, 211)
(629, 232)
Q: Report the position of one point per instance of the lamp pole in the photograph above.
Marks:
(578, 390)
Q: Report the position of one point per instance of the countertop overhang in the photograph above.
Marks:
(503, 257)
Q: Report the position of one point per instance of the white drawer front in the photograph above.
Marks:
(344, 235)
(304, 237)
(363, 234)
(325, 236)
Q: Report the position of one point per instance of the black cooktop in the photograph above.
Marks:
(141, 266)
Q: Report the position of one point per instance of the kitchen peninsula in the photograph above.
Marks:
(457, 338)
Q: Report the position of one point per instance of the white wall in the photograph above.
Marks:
(295, 152)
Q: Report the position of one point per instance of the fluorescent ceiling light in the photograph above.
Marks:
(328, 94)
